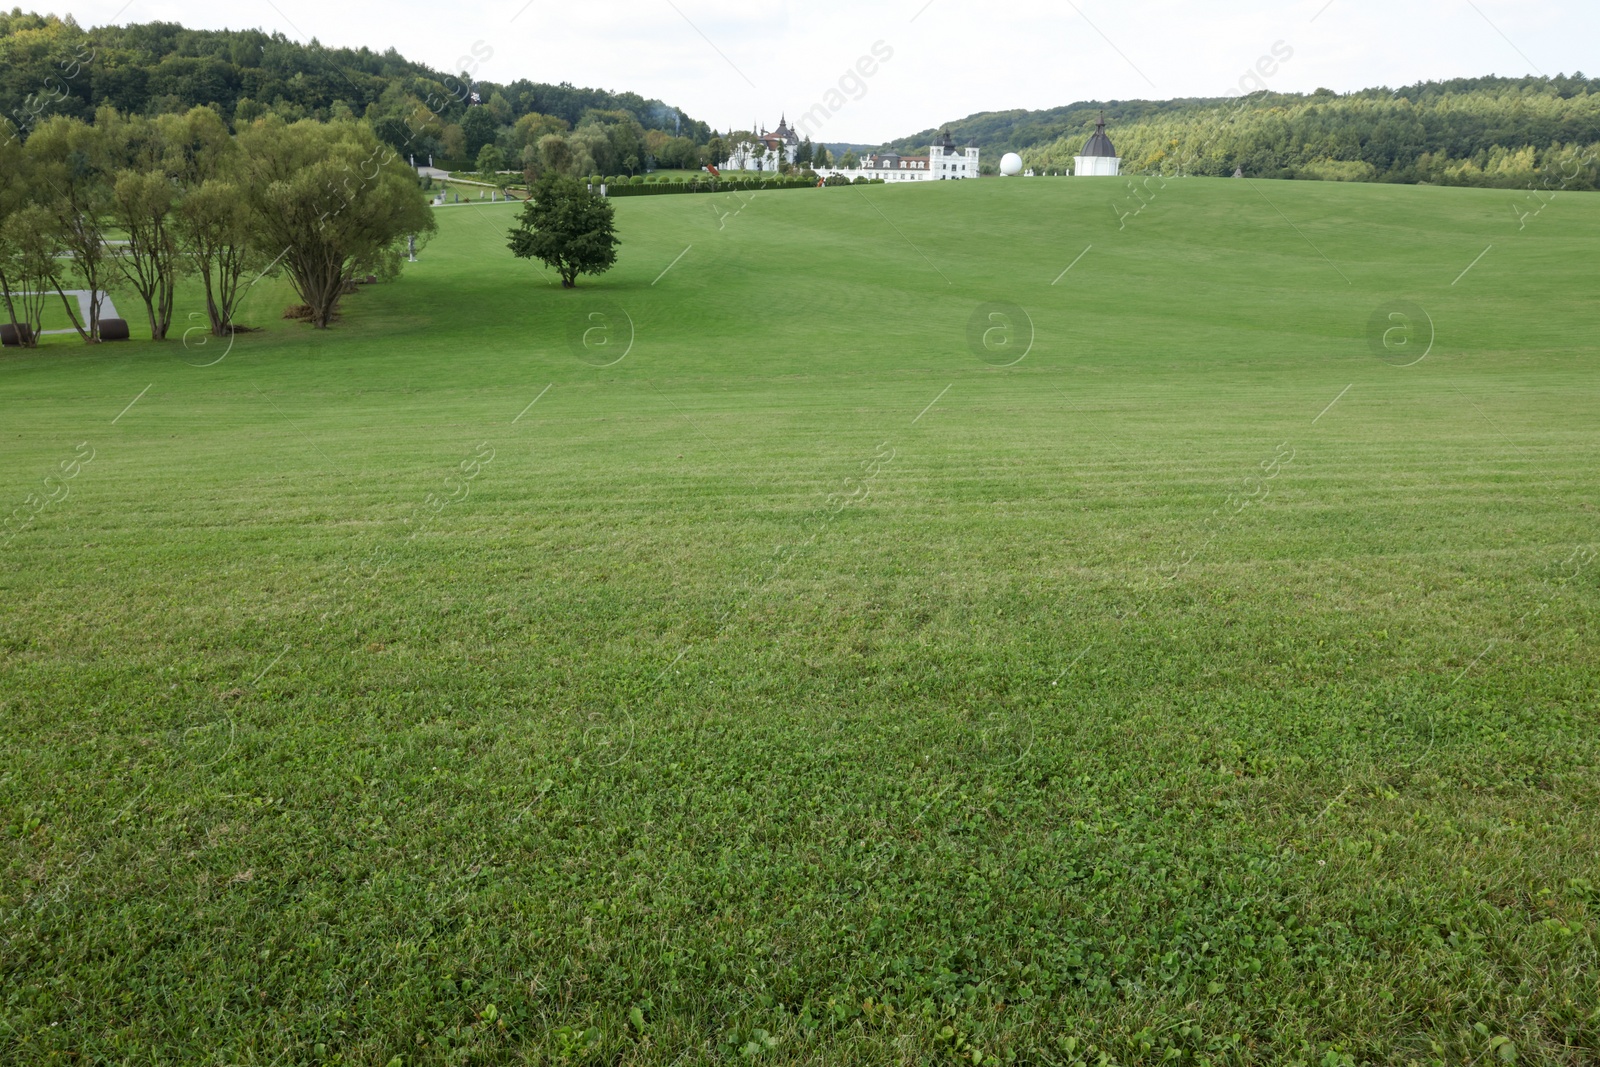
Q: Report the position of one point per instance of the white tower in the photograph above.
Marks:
(1098, 158)
(946, 162)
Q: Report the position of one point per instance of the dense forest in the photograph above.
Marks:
(50, 66)
(1467, 131)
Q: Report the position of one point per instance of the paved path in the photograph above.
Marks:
(108, 310)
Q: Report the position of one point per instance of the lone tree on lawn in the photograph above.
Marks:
(566, 227)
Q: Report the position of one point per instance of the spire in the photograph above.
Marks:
(1099, 144)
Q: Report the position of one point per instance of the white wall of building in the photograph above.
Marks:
(939, 166)
(962, 163)
(1096, 166)
(753, 155)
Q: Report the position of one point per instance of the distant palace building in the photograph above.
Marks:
(1098, 158)
(762, 152)
(944, 162)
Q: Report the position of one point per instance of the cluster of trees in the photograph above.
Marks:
(1503, 134)
(1465, 131)
(144, 201)
(606, 141)
(50, 66)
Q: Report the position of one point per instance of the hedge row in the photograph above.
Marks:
(715, 186)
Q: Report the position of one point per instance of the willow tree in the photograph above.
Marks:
(29, 269)
(330, 202)
(212, 221)
(154, 160)
(68, 165)
(213, 226)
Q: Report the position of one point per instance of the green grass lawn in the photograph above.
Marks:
(769, 672)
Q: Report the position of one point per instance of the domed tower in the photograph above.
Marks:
(946, 162)
(783, 140)
(1099, 158)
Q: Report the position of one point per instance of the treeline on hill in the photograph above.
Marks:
(146, 200)
(1502, 132)
(50, 66)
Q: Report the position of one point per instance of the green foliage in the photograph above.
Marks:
(1502, 132)
(478, 128)
(566, 227)
(491, 160)
(328, 195)
(623, 186)
(51, 66)
(1461, 119)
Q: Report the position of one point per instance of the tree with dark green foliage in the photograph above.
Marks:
(567, 228)
(478, 127)
(490, 160)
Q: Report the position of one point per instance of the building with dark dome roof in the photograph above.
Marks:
(1099, 157)
(766, 149)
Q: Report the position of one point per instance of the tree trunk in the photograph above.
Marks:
(319, 279)
(11, 311)
(90, 336)
(164, 305)
(212, 312)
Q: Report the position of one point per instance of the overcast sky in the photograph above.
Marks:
(728, 62)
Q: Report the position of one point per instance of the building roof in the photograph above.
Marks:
(1099, 144)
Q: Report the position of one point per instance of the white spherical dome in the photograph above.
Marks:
(1011, 164)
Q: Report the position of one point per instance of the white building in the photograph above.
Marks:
(944, 162)
(762, 153)
(1098, 158)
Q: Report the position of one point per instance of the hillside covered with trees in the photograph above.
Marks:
(51, 66)
(1467, 131)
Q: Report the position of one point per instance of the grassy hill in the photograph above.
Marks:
(746, 655)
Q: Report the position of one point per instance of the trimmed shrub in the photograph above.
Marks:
(702, 185)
